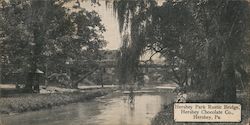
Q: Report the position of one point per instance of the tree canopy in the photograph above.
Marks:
(39, 34)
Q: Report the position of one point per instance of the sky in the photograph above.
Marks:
(112, 35)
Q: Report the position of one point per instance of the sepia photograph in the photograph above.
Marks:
(124, 62)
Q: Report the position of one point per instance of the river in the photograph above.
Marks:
(107, 110)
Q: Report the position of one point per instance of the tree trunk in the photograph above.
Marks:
(229, 79)
(29, 82)
(226, 90)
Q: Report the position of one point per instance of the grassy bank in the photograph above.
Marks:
(32, 102)
(166, 115)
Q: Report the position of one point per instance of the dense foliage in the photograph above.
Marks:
(48, 36)
(204, 42)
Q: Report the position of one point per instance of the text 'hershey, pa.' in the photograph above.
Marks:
(207, 112)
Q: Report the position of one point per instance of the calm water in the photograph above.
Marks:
(115, 110)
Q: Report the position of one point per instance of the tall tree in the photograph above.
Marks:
(44, 32)
(224, 24)
(133, 17)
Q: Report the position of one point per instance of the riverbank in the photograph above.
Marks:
(112, 109)
(32, 102)
(166, 115)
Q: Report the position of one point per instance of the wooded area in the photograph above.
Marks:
(205, 42)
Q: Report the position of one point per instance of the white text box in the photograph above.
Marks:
(207, 112)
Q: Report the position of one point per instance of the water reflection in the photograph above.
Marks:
(106, 111)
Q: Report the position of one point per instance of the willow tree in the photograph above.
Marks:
(162, 29)
(133, 17)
